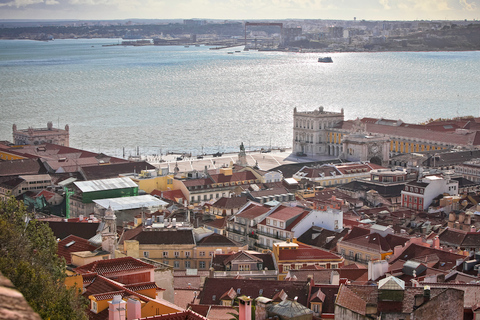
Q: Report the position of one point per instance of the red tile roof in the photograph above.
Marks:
(230, 203)
(348, 299)
(73, 244)
(253, 211)
(114, 266)
(172, 195)
(215, 287)
(217, 223)
(285, 213)
(414, 131)
(217, 240)
(236, 176)
(307, 253)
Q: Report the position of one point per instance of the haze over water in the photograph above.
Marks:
(180, 99)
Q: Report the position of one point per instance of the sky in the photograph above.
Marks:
(241, 9)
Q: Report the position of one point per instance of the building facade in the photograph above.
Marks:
(320, 132)
(418, 195)
(37, 136)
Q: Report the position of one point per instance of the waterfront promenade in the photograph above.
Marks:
(264, 160)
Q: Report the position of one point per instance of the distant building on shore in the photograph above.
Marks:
(36, 136)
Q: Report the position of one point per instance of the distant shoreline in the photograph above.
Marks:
(271, 50)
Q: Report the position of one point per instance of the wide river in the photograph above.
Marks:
(187, 99)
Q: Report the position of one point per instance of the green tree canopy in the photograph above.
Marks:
(28, 257)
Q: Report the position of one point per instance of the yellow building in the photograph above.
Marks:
(177, 248)
(149, 180)
(296, 255)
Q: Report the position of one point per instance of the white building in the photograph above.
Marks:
(418, 195)
(285, 222)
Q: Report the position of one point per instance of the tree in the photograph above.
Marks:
(28, 257)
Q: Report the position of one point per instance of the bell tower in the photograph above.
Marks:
(109, 232)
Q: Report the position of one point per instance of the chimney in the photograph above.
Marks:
(334, 278)
(116, 308)
(426, 293)
(436, 242)
(244, 308)
(134, 309)
(261, 308)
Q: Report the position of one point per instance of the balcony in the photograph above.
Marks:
(250, 274)
(236, 231)
(271, 235)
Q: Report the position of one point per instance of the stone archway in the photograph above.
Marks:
(376, 160)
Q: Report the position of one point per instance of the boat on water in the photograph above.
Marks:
(325, 59)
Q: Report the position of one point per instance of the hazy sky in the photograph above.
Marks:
(242, 9)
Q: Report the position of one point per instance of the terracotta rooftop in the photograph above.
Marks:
(230, 203)
(236, 176)
(62, 229)
(213, 312)
(218, 240)
(286, 213)
(307, 253)
(172, 195)
(437, 258)
(220, 260)
(114, 266)
(214, 288)
(348, 299)
(73, 244)
(21, 167)
(217, 223)
(323, 276)
(322, 238)
(113, 170)
(168, 237)
(253, 210)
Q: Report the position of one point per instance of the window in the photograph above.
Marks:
(202, 253)
(274, 223)
(187, 264)
(244, 267)
(176, 254)
(268, 222)
(286, 267)
(94, 306)
(201, 264)
(187, 254)
(145, 254)
(281, 224)
(165, 254)
(176, 264)
(334, 266)
(350, 253)
(210, 253)
(165, 262)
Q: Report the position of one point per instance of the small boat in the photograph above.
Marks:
(230, 52)
(325, 59)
